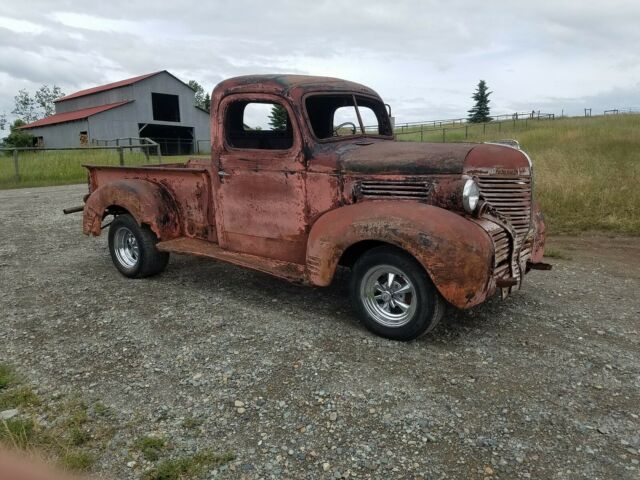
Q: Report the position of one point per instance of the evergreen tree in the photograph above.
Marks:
(480, 111)
(278, 118)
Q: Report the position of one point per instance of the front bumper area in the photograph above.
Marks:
(514, 255)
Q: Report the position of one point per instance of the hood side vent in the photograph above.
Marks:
(391, 189)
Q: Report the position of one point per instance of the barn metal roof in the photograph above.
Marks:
(74, 115)
(108, 86)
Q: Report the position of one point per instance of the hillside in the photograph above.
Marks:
(587, 170)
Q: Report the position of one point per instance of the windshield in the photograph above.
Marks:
(346, 114)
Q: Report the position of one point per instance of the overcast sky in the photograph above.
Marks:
(423, 57)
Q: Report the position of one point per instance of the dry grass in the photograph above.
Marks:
(587, 171)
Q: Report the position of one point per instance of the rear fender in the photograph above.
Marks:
(148, 203)
(457, 254)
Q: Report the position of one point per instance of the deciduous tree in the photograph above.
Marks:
(45, 97)
(18, 137)
(203, 100)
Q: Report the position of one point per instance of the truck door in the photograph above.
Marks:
(260, 183)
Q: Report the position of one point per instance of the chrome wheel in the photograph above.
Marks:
(126, 248)
(388, 296)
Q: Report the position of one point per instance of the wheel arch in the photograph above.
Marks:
(148, 203)
(455, 253)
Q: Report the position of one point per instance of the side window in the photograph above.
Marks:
(258, 125)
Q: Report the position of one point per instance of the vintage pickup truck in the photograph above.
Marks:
(421, 225)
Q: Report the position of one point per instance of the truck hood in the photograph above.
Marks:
(405, 158)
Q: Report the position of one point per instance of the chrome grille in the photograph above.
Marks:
(393, 189)
(511, 197)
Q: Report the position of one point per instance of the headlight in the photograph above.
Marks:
(470, 195)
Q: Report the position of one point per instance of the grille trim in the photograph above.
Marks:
(511, 197)
(393, 189)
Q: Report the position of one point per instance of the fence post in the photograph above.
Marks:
(421, 133)
(499, 126)
(466, 131)
(121, 155)
(16, 166)
(484, 128)
(145, 150)
(444, 133)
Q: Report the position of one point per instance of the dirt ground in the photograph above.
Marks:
(543, 385)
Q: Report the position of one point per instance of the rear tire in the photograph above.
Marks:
(133, 248)
(393, 294)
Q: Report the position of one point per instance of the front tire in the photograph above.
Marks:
(393, 294)
(133, 248)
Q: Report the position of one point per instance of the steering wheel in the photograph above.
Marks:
(353, 128)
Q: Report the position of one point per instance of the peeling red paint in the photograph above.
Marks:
(294, 212)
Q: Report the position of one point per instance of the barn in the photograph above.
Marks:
(157, 105)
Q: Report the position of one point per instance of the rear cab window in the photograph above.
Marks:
(258, 125)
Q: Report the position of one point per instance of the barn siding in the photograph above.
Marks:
(123, 121)
(61, 135)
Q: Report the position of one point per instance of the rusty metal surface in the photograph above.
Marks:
(408, 158)
(456, 253)
(202, 248)
(172, 201)
(293, 212)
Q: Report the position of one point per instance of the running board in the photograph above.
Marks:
(292, 272)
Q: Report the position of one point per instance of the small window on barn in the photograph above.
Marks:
(166, 107)
(258, 125)
(84, 138)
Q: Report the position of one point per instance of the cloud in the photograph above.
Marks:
(424, 57)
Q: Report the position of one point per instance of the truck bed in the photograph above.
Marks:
(187, 185)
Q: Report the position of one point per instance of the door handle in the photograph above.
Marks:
(222, 173)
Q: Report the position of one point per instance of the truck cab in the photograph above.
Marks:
(323, 184)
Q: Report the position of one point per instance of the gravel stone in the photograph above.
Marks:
(509, 387)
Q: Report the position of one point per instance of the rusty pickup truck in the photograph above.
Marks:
(324, 184)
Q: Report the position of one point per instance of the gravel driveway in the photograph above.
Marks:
(543, 385)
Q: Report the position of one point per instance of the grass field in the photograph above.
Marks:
(63, 167)
(587, 170)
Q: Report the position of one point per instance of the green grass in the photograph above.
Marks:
(587, 170)
(63, 167)
(7, 376)
(150, 447)
(21, 396)
(75, 434)
(70, 440)
(193, 466)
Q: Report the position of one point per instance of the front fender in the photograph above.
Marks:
(148, 202)
(456, 253)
